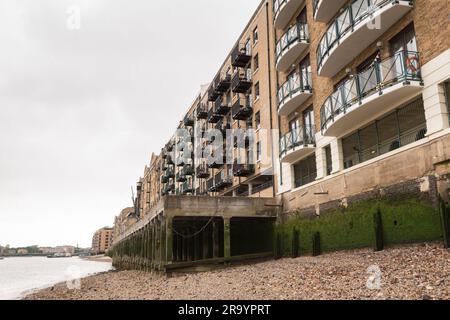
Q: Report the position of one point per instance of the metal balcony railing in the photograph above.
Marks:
(223, 82)
(351, 15)
(188, 121)
(221, 106)
(222, 180)
(302, 136)
(243, 108)
(202, 171)
(180, 177)
(202, 112)
(241, 55)
(298, 82)
(242, 80)
(277, 5)
(296, 33)
(213, 115)
(315, 6)
(187, 187)
(243, 170)
(404, 66)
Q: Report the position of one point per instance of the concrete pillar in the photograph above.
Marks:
(337, 155)
(434, 73)
(169, 241)
(250, 189)
(185, 246)
(205, 242)
(226, 237)
(215, 239)
(321, 163)
(163, 246)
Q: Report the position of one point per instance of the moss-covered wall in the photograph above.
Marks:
(404, 221)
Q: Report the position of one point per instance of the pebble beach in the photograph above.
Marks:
(418, 272)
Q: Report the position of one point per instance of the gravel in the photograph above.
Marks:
(419, 272)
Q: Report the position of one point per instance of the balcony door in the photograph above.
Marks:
(308, 122)
(405, 40)
(305, 72)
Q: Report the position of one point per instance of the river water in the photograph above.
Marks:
(21, 275)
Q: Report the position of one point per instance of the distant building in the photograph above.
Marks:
(59, 249)
(22, 251)
(123, 221)
(102, 240)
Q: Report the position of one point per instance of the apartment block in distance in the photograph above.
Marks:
(346, 104)
(102, 240)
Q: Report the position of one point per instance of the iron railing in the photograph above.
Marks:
(297, 33)
(278, 5)
(296, 83)
(242, 108)
(302, 136)
(351, 16)
(404, 66)
(315, 6)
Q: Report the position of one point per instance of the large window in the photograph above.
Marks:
(401, 127)
(305, 171)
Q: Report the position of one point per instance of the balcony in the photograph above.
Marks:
(169, 174)
(187, 188)
(188, 170)
(371, 93)
(180, 177)
(223, 128)
(242, 109)
(211, 185)
(291, 45)
(294, 92)
(188, 121)
(169, 160)
(355, 29)
(283, 10)
(213, 115)
(221, 106)
(213, 94)
(202, 112)
(168, 188)
(222, 181)
(243, 170)
(202, 171)
(169, 146)
(324, 10)
(223, 82)
(242, 81)
(241, 56)
(216, 164)
(297, 144)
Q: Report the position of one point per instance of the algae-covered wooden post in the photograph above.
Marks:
(378, 222)
(444, 214)
(317, 247)
(295, 243)
(227, 237)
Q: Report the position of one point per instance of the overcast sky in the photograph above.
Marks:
(83, 105)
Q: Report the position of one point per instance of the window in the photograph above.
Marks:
(399, 128)
(258, 151)
(257, 91)
(258, 120)
(305, 171)
(328, 160)
(255, 35)
(256, 63)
